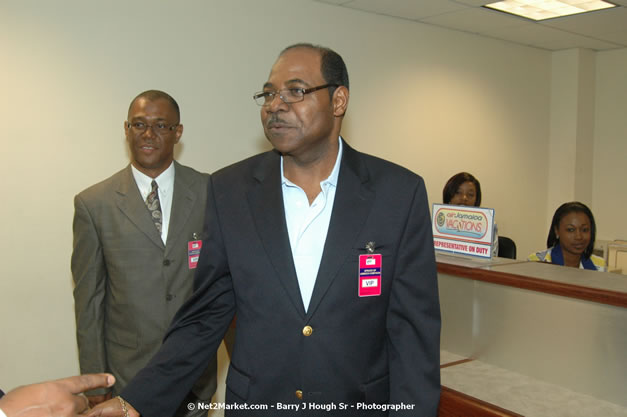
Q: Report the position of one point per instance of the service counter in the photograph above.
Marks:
(532, 339)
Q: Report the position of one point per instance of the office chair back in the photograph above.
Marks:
(507, 248)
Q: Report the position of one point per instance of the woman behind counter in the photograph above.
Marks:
(464, 189)
(571, 239)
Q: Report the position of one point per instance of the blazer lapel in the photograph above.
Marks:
(352, 204)
(130, 202)
(266, 205)
(183, 200)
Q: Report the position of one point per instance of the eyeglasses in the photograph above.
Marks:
(288, 95)
(158, 128)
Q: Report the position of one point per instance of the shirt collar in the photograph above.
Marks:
(335, 173)
(165, 180)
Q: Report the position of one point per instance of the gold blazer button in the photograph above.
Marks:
(307, 330)
(299, 394)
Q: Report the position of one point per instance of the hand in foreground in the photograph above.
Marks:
(112, 408)
(59, 398)
(94, 400)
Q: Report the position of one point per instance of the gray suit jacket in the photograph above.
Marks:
(128, 284)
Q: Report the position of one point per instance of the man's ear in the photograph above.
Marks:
(178, 133)
(340, 101)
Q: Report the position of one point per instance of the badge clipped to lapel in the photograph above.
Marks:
(193, 252)
(370, 272)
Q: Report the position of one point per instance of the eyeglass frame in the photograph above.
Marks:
(305, 91)
(168, 129)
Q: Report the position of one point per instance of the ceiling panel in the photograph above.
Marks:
(476, 3)
(475, 20)
(334, 1)
(608, 25)
(600, 30)
(585, 43)
(407, 9)
(548, 38)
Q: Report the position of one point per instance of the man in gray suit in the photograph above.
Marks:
(136, 244)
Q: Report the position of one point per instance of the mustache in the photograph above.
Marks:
(275, 119)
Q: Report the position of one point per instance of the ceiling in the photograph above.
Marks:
(600, 30)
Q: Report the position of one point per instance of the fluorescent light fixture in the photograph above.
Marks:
(548, 9)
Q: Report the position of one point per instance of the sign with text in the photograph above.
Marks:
(463, 229)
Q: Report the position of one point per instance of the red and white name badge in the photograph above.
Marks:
(369, 275)
(193, 253)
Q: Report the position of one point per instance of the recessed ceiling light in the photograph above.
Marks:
(548, 9)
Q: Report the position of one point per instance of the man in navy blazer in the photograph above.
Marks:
(326, 257)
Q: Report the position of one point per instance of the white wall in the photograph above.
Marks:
(572, 125)
(610, 148)
(434, 100)
(588, 137)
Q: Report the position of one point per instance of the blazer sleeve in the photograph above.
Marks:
(195, 333)
(90, 275)
(413, 319)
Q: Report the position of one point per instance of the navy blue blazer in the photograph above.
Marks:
(344, 350)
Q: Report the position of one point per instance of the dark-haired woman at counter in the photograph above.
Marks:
(571, 239)
(464, 189)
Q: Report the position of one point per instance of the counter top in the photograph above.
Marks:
(472, 261)
(447, 358)
(582, 277)
(601, 287)
(522, 394)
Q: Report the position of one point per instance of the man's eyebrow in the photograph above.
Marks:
(297, 81)
(288, 82)
(143, 118)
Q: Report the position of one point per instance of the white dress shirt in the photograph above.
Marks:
(307, 226)
(165, 182)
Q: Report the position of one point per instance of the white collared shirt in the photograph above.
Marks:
(165, 182)
(307, 226)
